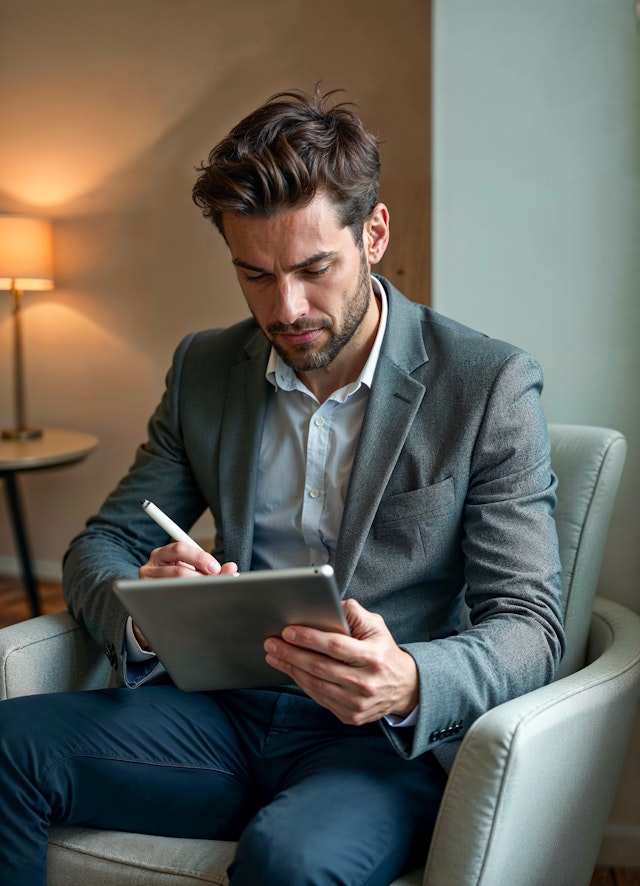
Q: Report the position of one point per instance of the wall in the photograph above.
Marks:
(536, 224)
(106, 109)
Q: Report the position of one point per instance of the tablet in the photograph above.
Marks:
(209, 631)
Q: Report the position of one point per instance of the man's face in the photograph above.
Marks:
(308, 286)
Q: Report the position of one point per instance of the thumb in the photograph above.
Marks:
(363, 624)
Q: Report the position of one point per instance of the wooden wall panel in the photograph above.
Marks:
(407, 262)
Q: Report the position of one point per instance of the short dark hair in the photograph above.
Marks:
(289, 149)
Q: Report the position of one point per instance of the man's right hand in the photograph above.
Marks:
(179, 560)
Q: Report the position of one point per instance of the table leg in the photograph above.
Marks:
(22, 543)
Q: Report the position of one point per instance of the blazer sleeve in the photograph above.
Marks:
(512, 572)
(119, 539)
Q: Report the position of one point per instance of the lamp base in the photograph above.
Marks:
(21, 433)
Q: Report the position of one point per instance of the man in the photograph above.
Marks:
(340, 424)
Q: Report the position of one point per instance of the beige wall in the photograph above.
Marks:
(106, 108)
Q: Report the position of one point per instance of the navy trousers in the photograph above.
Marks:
(310, 801)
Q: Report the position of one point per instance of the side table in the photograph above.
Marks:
(53, 449)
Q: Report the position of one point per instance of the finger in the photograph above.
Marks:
(363, 623)
(201, 560)
(301, 664)
(185, 553)
(229, 568)
(340, 647)
(168, 570)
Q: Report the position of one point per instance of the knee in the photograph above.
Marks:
(16, 727)
(20, 738)
(265, 857)
(24, 734)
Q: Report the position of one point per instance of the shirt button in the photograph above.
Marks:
(319, 422)
(314, 493)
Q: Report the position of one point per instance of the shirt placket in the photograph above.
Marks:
(317, 450)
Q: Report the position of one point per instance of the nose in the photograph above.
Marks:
(290, 302)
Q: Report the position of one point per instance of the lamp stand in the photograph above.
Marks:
(21, 431)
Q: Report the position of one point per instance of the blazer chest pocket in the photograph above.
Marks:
(413, 506)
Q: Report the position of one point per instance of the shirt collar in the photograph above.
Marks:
(282, 377)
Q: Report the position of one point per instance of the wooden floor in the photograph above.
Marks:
(14, 604)
(615, 877)
(14, 607)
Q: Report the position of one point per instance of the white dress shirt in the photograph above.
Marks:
(306, 457)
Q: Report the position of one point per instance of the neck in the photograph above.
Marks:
(350, 362)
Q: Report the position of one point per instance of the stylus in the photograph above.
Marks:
(167, 523)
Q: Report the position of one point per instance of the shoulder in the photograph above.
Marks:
(446, 344)
(219, 343)
(217, 348)
(203, 361)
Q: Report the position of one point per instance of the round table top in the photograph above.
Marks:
(55, 447)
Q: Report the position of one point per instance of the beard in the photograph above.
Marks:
(307, 357)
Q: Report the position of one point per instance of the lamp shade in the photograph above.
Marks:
(26, 253)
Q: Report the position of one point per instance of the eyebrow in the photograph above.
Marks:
(305, 263)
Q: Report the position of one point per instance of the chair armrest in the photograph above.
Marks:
(50, 653)
(521, 767)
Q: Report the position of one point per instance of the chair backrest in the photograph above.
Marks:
(588, 462)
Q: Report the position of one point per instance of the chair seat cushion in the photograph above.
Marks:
(78, 856)
(81, 856)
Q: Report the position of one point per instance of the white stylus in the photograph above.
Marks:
(167, 523)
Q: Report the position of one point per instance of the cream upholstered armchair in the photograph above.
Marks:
(533, 782)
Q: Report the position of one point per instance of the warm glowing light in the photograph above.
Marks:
(26, 253)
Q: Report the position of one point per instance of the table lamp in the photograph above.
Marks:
(26, 263)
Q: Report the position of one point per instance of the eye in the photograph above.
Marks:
(254, 278)
(316, 272)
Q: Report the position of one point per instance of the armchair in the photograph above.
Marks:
(533, 782)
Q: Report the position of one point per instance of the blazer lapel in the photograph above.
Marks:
(394, 400)
(243, 420)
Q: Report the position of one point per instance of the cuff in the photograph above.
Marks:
(134, 650)
(397, 722)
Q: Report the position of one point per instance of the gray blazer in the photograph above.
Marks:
(448, 521)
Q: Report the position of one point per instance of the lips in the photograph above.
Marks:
(300, 338)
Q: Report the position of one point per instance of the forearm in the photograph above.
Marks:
(92, 564)
(116, 543)
(95, 560)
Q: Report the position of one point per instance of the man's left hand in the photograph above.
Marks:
(360, 678)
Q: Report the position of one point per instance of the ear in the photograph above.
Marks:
(376, 233)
